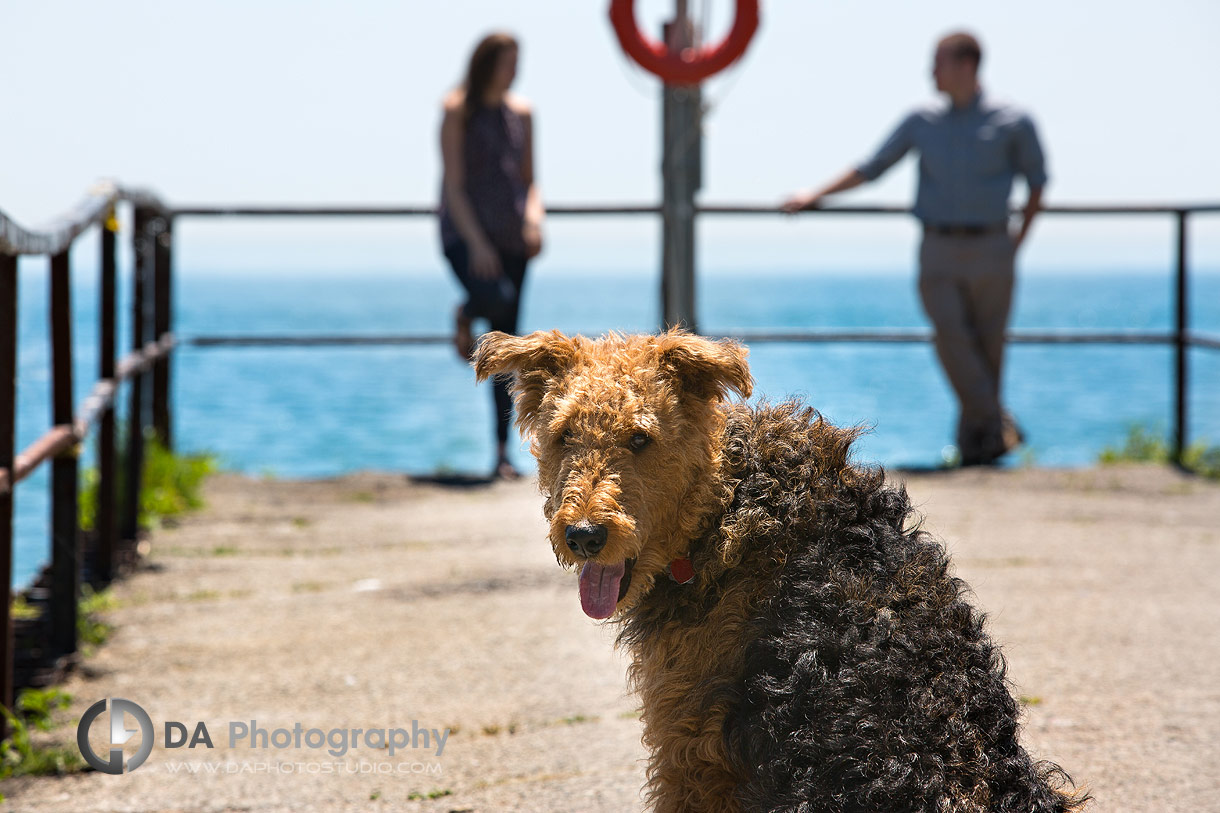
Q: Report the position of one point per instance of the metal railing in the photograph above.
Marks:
(147, 367)
(1180, 336)
(49, 641)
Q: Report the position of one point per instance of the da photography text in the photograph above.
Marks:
(337, 742)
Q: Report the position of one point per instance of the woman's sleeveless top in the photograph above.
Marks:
(493, 152)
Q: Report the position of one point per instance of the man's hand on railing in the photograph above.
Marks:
(801, 201)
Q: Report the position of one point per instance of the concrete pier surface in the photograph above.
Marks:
(373, 603)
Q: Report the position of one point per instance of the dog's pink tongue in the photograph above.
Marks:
(599, 588)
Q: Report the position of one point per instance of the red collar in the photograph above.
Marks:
(682, 571)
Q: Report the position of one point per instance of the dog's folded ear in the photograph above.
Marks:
(706, 368)
(533, 361)
(542, 351)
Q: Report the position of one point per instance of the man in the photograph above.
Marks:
(969, 152)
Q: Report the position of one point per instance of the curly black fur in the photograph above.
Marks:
(870, 683)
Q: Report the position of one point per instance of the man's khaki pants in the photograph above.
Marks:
(966, 285)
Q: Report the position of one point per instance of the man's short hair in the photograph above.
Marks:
(962, 45)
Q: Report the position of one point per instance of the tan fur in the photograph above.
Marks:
(581, 402)
(602, 393)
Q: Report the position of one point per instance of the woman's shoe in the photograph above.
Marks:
(506, 471)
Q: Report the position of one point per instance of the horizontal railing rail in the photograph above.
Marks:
(59, 234)
(389, 210)
(60, 438)
(794, 336)
(787, 336)
(1181, 210)
(1061, 209)
(303, 210)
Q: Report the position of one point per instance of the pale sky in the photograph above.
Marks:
(266, 101)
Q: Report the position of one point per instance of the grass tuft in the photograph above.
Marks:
(1145, 445)
(171, 486)
(90, 629)
(18, 754)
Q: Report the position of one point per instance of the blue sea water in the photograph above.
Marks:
(308, 412)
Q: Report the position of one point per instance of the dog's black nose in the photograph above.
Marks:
(585, 538)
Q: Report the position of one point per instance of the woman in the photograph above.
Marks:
(491, 212)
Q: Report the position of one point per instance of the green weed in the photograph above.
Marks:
(1145, 445)
(22, 609)
(171, 485)
(18, 754)
(91, 630)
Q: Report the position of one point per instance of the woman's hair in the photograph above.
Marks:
(482, 67)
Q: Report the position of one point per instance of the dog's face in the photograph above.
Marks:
(626, 431)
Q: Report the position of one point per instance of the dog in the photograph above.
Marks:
(798, 643)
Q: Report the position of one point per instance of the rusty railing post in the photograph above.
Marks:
(8, 437)
(104, 513)
(65, 536)
(134, 465)
(162, 325)
(1181, 347)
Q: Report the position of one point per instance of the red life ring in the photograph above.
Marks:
(692, 65)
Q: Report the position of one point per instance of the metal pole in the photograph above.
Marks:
(8, 422)
(162, 324)
(681, 177)
(134, 465)
(104, 516)
(65, 537)
(1181, 346)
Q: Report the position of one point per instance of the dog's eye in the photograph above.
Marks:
(638, 441)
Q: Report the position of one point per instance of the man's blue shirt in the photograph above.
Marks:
(968, 158)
